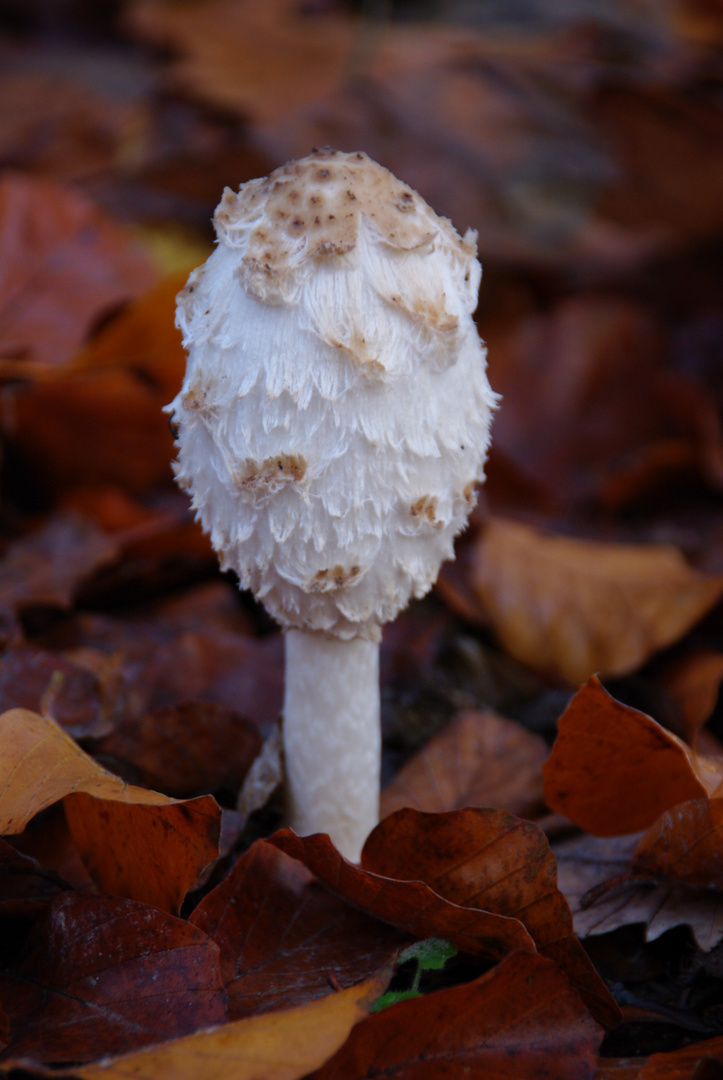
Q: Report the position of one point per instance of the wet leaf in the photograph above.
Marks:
(685, 845)
(479, 759)
(570, 608)
(491, 860)
(595, 875)
(285, 940)
(63, 265)
(184, 749)
(614, 770)
(411, 906)
(100, 976)
(285, 1044)
(136, 843)
(520, 1020)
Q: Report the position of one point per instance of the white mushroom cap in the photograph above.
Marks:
(335, 414)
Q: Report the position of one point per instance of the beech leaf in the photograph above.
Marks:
(569, 608)
(491, 860)
(283, 938)
(136, 842)
(520, 1021)
(285, 1044)
(100, 975)
(614, 770)
(411, 906)
(685, 845)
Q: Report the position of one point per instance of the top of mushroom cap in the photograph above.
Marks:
(313, 207)
(335, 413)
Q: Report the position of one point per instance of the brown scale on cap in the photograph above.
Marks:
(271, 473)
(318, 202)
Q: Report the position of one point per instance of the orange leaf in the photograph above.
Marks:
(570, 608)
(693, 682)
(285, 1044)
(493, 861)
(137, 843)
(685, 845)
(520, 1021)
(614, 770)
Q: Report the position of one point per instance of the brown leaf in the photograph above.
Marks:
(285, 1044)
(411, 906)
(685, 845)
(47, 567)
(689, 1063)
(63, 264)
(479, 759)
(184, 749)
(570, 608)
(135, 842)
(25, 887)
(99, 976)
(490, 860)
(283, 939)
(693, 682)
(520, 1021)
(595, 875)
(614, 770)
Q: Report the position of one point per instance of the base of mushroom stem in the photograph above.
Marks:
(332, 737)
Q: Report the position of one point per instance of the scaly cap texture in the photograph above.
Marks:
(335, 414)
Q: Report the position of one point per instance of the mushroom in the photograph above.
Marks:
(332, 426)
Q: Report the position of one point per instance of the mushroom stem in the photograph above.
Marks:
(332, 741)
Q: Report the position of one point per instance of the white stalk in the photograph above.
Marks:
(332, 741)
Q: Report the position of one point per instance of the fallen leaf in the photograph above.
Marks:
(285, 1044)
(520, 1021)
(614, 770)
(493, 861)
(693, 681)
(188, 748)
(569, 608)
(31, 678)
(479, 759)
(25, 886)
(689, 1063)
(136, 842)
(64, 264)
(285, 940)
(595, 875)
(47, 567)
(685, 845)
(98, 976)
(411, 906)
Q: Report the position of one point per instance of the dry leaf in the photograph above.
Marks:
(283, 938)
(599, 870)
(479, 759)
(570, 608)
(520, 1021)
(411, 906)
(693, 681)
(614, 770)
(63, 265)
(99, 976)
(490, 860)
(685, 845)
(136, 843)
(286, 1044)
